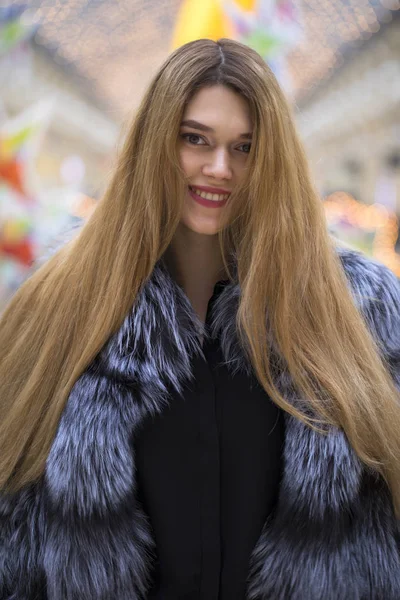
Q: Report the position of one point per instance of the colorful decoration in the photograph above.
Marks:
(31, 214)
(14, 149)
(271, 27)
(20, 138)
(199, 19)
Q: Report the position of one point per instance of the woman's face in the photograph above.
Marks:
(215, 139)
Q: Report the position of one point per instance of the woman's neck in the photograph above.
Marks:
(195, 262)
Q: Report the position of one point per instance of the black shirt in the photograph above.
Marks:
(208, 471)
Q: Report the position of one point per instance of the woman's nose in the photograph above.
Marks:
(218, 165)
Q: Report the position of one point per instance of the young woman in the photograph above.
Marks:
(198, 392)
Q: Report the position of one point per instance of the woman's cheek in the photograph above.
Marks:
(189, 163)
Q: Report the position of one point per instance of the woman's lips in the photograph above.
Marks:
(205, 202)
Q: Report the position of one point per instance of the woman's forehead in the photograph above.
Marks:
(219, 107)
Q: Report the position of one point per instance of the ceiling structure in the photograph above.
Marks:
(117, 45)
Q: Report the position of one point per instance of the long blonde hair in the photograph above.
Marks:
(62, 316)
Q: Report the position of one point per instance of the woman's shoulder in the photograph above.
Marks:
(376, 291)
(368, 278)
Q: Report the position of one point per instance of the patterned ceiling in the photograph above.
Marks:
(119, 44)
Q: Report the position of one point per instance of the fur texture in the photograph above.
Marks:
(80, 533)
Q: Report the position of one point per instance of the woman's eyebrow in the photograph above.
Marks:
(201, 127)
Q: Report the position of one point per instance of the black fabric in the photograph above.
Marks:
(208, 469)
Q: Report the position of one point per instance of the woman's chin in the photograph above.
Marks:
(201, 222)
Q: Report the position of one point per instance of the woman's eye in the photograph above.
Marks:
(194, 139)
(244, 148)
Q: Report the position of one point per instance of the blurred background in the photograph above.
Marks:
(72, 73)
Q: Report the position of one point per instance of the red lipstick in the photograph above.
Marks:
(204, 201)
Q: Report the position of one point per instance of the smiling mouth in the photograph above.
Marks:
(209, 196)
(207, 199)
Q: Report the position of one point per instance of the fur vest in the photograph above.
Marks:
(80, 533)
